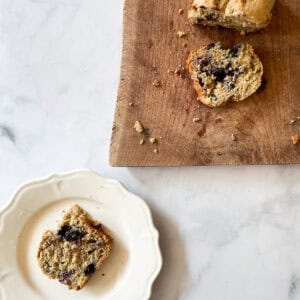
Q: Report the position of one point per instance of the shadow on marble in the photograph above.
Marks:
(174, 270)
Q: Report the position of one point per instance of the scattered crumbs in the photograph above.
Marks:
(155, 151)
(130, 104)
(218, 120)
(295, 139)
(150, 44)
(180, 11)
(177, 72)
(195, 120)
(233, 137)
(138, 126)
(294, 121)
(202, 131)
(161, 137)
(184, 45)
(291, 122)
(152, 140)
(156, 83)
(169, 71)
(142, 142)
(181, 34)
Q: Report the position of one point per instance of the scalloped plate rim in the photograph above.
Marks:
(4, 212)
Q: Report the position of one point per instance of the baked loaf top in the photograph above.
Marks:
(245, 15)
(222, 75)
(76, 250)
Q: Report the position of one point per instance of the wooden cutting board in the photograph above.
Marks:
(259, 124)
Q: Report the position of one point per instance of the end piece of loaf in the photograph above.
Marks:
(243, 15)
(76, 250)
(222, 75)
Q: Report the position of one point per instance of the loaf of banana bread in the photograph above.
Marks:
(243, 15)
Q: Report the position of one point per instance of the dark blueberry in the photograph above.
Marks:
(62, 231)
(92, 241)
(230, 85)
(202, 61)
(218, 73)
(211, 16)
(73, 235)
(230, 72)
(210, 46)
(69, 234)
(90, 269)
(65, 276)
(234, 51)
(200, 82)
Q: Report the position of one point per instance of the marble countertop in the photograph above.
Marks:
(227, 233)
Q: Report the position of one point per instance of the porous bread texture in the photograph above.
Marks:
(243, 15)
(76, 250)
(222, 75)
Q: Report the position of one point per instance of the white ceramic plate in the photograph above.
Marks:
(129, 272)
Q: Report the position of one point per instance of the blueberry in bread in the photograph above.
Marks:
(222, 75)
(243, 15)
(76, 250)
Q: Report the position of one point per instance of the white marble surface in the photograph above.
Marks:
(226, 233)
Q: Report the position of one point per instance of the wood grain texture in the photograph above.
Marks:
(151, 47)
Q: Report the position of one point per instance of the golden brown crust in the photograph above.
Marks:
(242, 15)
(197, 86)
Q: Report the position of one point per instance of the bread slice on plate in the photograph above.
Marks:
(222, 75)
(76, 250)
(243, 15)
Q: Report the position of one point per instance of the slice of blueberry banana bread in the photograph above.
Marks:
(76, 250)
(222, 75)
(243, 15)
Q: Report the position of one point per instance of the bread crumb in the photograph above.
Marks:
(202, 131)
(295, 139)
(130, 104)
(155, 151)
(142, 142)
(184, 45)
(195, 120)
(152, 140)
(138, 126)
(180, 11)
(233, 137)
(181, 34)
(177, 72)
(291, 122)
(161, 137)
(156, 83)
